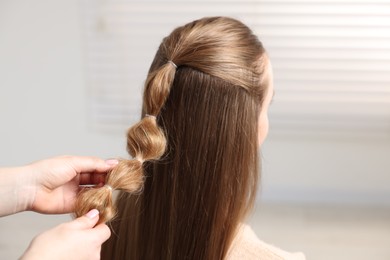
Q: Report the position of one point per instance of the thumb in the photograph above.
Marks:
(87, 221)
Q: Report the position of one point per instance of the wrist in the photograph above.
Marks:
(17, 193)
(26, 189)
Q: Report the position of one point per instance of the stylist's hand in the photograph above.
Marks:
(78, 239)
(56, 181)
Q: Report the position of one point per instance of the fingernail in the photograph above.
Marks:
(92, 213)
(112, 162)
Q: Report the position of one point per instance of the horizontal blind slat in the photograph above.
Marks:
(325, 54)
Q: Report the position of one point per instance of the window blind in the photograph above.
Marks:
(331, 59)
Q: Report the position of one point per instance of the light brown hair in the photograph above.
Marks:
(206, 130)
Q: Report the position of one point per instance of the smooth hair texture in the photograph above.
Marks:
(205, 131)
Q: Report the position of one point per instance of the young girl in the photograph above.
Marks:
(196, 151)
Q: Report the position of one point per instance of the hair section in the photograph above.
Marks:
(145, 141)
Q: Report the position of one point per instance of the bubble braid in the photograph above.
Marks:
(145, 142)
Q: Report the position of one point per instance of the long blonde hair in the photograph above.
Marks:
(195, 150)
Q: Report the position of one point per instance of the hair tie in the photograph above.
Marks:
(139, 159)
(152, 116)
(174, 65)
(108, 187)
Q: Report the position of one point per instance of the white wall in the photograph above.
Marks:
(327, 169)
(43, 95)
(43, 113)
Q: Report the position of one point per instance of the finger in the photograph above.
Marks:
(92, 164)
(102, 231)
(92, 178)
(87, 221)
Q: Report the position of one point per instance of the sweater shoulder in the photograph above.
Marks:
(246, 245)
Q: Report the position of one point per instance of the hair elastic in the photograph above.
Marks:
(152, 116)
(108, 187)
(139, 159)
(174, 65)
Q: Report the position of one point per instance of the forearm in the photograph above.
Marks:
(16, 194)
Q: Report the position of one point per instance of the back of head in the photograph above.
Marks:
(205, 88)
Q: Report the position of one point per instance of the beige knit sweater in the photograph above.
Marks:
(246, 245)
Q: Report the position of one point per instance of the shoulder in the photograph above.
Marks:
(246, 245)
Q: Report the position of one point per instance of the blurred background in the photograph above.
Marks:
(71, 75)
